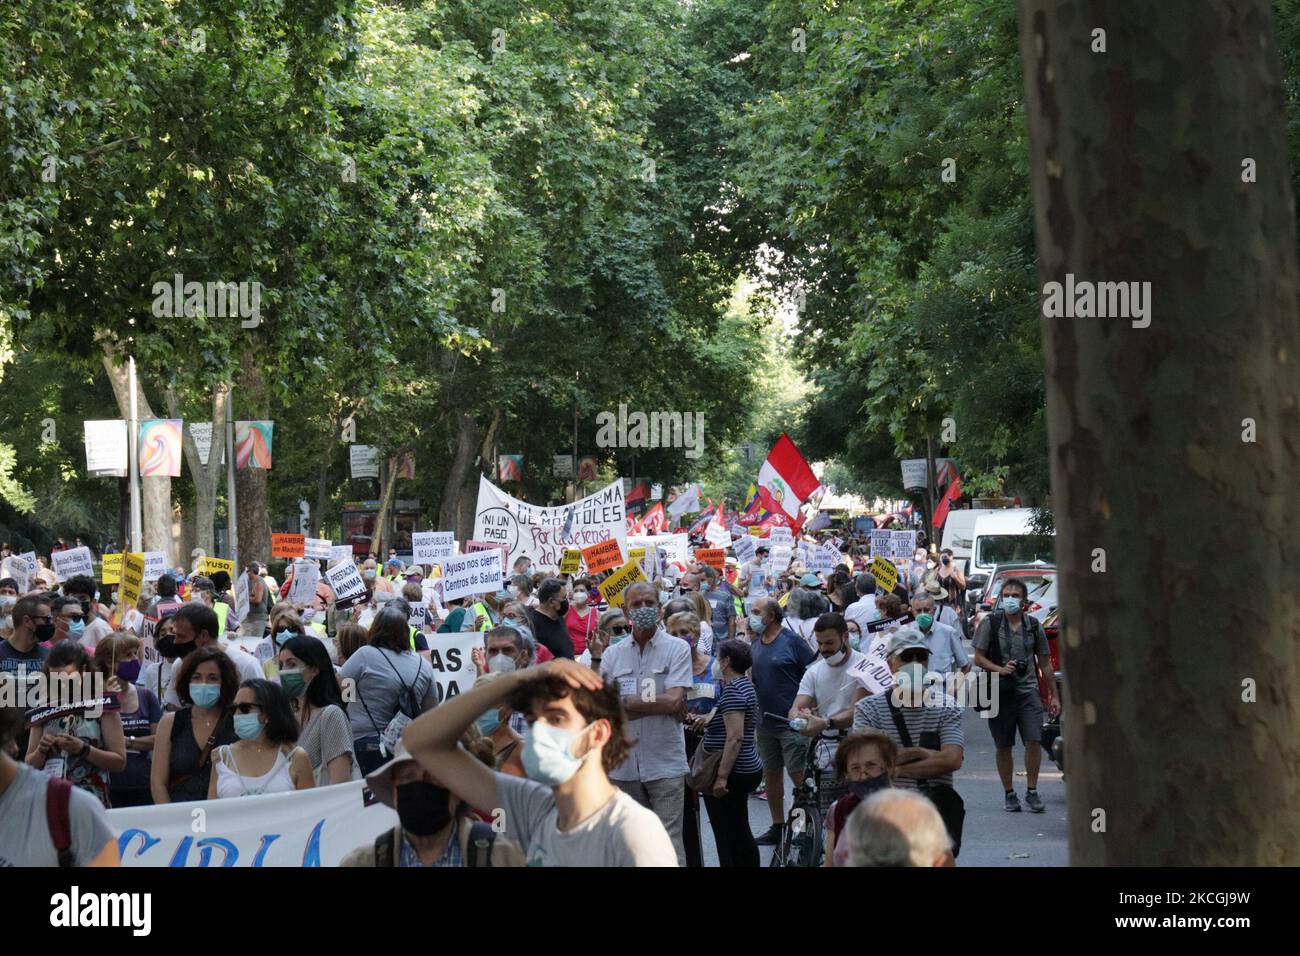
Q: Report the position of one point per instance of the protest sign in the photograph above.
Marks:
(317, 549)
(110, 569)
(478, 572)
(451, 657)
(241, 597)
(346, 581)
(650, 563)
(744, 548)
(132, 580)
(419, 614)
(672, 547)
(288, 546)
(780, 535)
(571, 562)
(714, 557)
(717, 535)
(825, 558)
(15, 567)
(881, 543)
(636, 554)
(542, 533)
(148, 633)
(155, 565)
(431, 547)
(106, 448)
(306, 575)
(211, 566)
(340, 552)
(603, 556)
(314, 827)
(902, 544)
(612, 588)
(72, 562)
(886, 575)
(872, 671)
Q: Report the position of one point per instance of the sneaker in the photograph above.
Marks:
(1013, 803)
(1034, 802)
(760, 793)
(771, 838)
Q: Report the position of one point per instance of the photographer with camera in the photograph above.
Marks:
(1020, 638)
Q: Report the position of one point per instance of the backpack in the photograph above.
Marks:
(58, 795)
(481, 839)
(994, 652)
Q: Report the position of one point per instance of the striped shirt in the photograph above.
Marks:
(737, 696)
(944, 720)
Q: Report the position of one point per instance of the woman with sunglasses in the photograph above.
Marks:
(611, 628)
(307, 677)
(266, 758)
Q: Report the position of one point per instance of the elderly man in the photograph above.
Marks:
(653, 672)
(897, 828)
(946, 653)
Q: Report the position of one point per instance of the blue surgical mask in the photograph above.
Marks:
(1011, 605)
(755, 623)
(248, 726)
(488, 722)
(205, 695)
(76, 628)
(855, 642)
(547, 756)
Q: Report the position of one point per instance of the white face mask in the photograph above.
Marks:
(837, 659)
(717, 670)
(579, 597)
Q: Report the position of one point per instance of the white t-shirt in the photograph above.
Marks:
(621, 833)
(862, 611)
(95, 631)
(831, 687)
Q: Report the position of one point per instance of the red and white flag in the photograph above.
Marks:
(785, 481)
(655, 521)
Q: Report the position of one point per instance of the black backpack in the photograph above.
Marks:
(994, 653)
(481, 839)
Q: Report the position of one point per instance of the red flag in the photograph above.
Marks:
(655, 520)
(949, 496)
(785, 481)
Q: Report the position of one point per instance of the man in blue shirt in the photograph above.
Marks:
(780, 658)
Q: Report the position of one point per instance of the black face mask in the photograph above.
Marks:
(422, 808)
(44, 632)
(564, 607)
(865, 788)
(170, 649)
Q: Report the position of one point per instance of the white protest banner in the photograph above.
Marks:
(241, 597)
(717, 535)
(346, 581)
(432, 547)
(914, 473)
(16, 568)
(780, 558)
(340, 552)
(780, 535)
(306, 575)
(451, 656)
(106, 449)
(873, 672)
(541, 533)
(314, 827)
(419, 614)
(72, 562)
(318, 549)
(744, 548)
(430, 589)
(672, 547)
(825, 558)
(155, 565)
(650, 563)
(364, 460)
(902, 544)
(881, 543)
(470, 574)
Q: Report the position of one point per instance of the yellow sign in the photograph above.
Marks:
(636, 554)
(612, 588)
(756, 532)
(885, 573)
(211, 566)
(571, 561)
(111, 572)
(132, 580)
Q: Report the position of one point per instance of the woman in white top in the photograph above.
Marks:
(265, 759)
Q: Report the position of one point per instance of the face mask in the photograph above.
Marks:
(925, 621)
(45, 632)
(755, 623)
(717, 670)
(663, 597)
(564, 608)
(865, 788)
(579, 597)
(128, 671)
(514, 591)
(855, 642)
(644, 618)
(1011, 605)
(910, 678)
(205, 695)
(547, 756)
(930, 565)
(422, 808)
(283, 638)
(705, 588)
(292, 682)
(76, 628)
(615, 638)
(247, 726)
(501, 664)
(838, 658)
(488, 722)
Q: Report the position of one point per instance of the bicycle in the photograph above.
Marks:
(802, 843)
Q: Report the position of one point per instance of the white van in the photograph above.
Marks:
(959, 531)
(1005, 536)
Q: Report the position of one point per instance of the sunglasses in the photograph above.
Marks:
(914, 657)
(246, 708)
(619, 630)
(684, 635)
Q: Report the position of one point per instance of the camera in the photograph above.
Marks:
(1022, 667)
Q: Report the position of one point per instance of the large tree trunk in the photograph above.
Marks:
(380, 536)
(468, 437)
(1183, 724)
(155, 490)
(206, 478)
(254, 521)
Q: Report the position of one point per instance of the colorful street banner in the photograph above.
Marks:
(314, 827)
(107, 454)
(160, 447)
(543, 533)
(510, 468)
(405, 468)
(253, 444)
